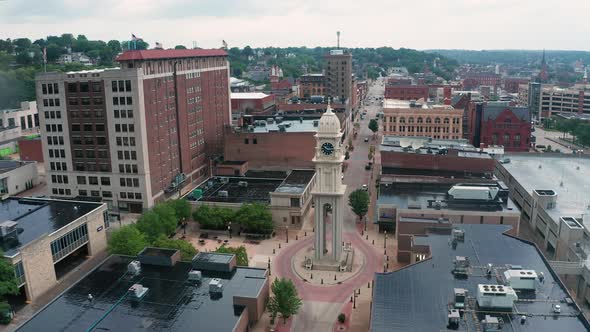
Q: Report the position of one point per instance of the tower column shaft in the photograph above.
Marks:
(320, 241)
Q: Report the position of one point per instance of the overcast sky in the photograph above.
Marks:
(419, 24)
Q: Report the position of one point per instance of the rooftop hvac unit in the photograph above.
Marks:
(460, 297)
(458, 234)
(195, 275)
(137, 291)
(282, 128)
(224, 180)
(278, 119)
(134, 268)
(495, 296)
(521, 279)
(453, 318)
(8, 228)
(250, 128)
(215, 286)
(222, 193)
(491, 323)
(243, 184)
(270, 120)
(460, 265)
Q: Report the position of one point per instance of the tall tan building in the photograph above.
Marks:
(408, 118)
(338, 76)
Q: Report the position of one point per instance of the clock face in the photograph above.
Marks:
(327, 149)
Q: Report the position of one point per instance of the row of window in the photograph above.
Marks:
(122, 101)
(88, 127)
(58, 166)
(193, 145)
(121, 86)
(50, 88)
(53, 128)
(93, 180)
(91, 167)
(193, 75)
(247, 141)
(87, 114)
(193, 89)
(123, 114)
(89, 140)
(69, 242)
(421, 120)
(124, 128)
(129, 182)
(128, 168)
(126, 155)
(130, 195)
(57, 153)
(84, 87)
(91, 154)
(52, 115)
(95, 193)
(61, 191)
(51, 102)
(193, 100)
(125, 141)
(59, 178)
(55, 140)
(86, 101)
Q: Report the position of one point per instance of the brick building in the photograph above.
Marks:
(473, 81)
(407, 92)
(399, 81)
(339, 80)
(511, 84)
(137, 134)
(403, 118)
(252, 103)
(312, 85)
(499, 124)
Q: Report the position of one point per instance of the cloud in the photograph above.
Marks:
(421, 24)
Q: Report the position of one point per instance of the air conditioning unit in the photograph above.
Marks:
(8, 228)
(134, 268)
(243, 184)
(215, 286)
(195, 275)
(222, 193)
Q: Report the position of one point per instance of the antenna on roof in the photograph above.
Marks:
(194, 44)
(338, 39)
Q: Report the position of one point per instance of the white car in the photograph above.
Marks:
(365, 187)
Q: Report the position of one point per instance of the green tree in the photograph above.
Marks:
(53, 52)
(180, 47)
(358, 201)
(8, 286)
(240, 252)
(255, 218)
(215, 218)
(161, 220)
(182, 208)
(285, 300)
(374, 126)
(187, 251)
(127, 240)
(114, 46)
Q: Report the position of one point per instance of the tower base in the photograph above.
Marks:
(344, 264)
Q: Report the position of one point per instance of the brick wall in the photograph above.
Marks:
(447, 162)
(31, 150)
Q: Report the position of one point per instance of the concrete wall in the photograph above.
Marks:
(18, 178)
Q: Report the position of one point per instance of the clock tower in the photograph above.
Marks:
(329, 191)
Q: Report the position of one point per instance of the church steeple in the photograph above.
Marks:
(543, 75)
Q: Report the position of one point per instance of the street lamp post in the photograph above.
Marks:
(229, 229)
(385, 240)
(287, 232)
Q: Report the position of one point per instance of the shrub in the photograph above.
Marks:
(341, 318)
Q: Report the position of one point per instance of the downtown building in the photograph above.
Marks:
(138, 134)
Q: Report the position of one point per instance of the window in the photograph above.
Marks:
(105, 181)
(114, 87)
(123, 195)
(129, 113)
(116, 114)
(118, 128)
(107, 194)
(82, 193)
(90, 154)
(96, 87)
(87, 127)
(101, 140)
(132, 129)
(121, 86)
(137, 195)
(72, 88)
(85, 101)
(84, 87)
(254, 141)
(99, 127)
(246, 141)
(44, 88)
(133, 155)
(122, 182)
(95, 193)
(115, 100)
(506, 138)
(128, 85)
(121, 100)
(446, 121)
(437, 120)
(97, 101)
(78, 154)
(136, 182)
(73, 101)
(295, 202)
(129, 101)
(119, 141)
(93, 180)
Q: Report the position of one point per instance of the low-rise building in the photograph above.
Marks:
(312, 85)
(251, 103)
(546, 101)
(407, 92)
(45, 239)
(500, 124)
(17, 176)
(288, 194)
(409, 118)
(458, 284)
(156, 291)
(16, 123)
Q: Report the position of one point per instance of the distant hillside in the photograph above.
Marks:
(513, 57)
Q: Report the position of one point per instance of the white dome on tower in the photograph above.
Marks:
(329, 122)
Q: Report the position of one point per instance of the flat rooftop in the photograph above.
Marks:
(419, 198)
(248, 95)
(39, 217)
(9, 165)
(256, 186)
(296, 182)
(171, 303)
(424, 144)
(290, 125)
(573, 196)
(416, 298)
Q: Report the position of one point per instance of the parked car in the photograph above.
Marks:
(365, 187)
(366, 139)
(540, 146)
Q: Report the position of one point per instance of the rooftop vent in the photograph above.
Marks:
(195, 275)
(137, 291)
(222, 193)
(243, 184)
(134, 268)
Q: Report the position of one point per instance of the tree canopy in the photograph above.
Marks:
(127, 240)
(358, 201)
(374, 125)
(284, 300)
(240, 252)
(187, 250)
(214, 218)
(255, 218)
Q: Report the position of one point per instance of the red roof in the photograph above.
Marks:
(169, 54)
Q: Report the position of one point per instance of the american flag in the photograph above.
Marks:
(134, 38)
